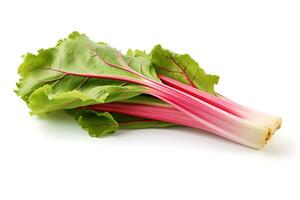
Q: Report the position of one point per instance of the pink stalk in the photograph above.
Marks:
(219, 121)
(164, 113)
(269, 121)
(161, 113)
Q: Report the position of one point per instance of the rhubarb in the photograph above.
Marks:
(85, 77)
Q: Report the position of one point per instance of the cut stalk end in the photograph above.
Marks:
(268, 136)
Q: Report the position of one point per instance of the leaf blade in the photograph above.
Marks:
(182, 68)
(97, 124)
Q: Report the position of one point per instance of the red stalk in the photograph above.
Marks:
(271, 122)
(161, 113)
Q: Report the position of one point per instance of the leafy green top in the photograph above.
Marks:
(77, 72)
(49, 79)
(182, 68)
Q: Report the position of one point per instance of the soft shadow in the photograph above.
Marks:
(278, 147)
(61, 125)
(186, 137)
(214, 141)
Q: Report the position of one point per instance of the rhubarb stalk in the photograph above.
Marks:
(269, 121)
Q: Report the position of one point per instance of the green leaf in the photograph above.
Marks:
(97, 124)
(46, 84)
(47, 99)
(137, 53)
(140, 61)
(182, 68)
(100, 124)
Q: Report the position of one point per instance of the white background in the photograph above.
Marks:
(253, 45)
